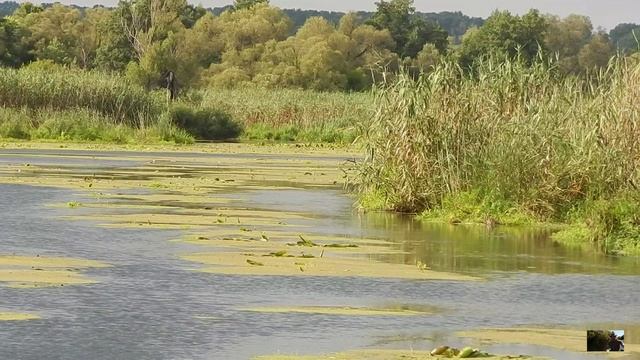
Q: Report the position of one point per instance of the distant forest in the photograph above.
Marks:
(254, 43)
(455, 23)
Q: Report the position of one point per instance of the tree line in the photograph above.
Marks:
(255, 43)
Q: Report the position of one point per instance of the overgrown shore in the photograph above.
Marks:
(512, 143)
(46, 102)
(509, 143)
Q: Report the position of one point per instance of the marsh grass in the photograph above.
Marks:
(510, 143)
(292, 115)
(84, 126)
(58, 90)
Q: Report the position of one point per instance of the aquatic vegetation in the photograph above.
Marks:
(382, 354)
(304, 242)
(73, 204)
(12, 316)
(197, 201)
(341, 246)
(41, 271)
(235, 263)
(281, 253)
(564, 339)
(509, 144)
(108, 94)
(341, 310)
(82, 125)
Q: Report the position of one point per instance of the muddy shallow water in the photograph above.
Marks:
(150, 305)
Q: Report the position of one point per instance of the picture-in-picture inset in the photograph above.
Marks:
(605, 340)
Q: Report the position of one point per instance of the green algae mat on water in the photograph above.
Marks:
(347, 310)
(380, 355)
(12, 316)
(197, 192)
(37, 271)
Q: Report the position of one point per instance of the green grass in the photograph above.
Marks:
(511, 143)
(70, 104)
(58, 90)
(83, 126)
(293, 115)
(253, 114)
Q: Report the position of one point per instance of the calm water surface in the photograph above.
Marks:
(150, 306)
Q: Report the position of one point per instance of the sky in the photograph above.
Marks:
(604, 13)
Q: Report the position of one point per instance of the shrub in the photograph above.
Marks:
(205, 124)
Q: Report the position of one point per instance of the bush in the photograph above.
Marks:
(205, 124)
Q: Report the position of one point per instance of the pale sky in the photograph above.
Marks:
(603, 13)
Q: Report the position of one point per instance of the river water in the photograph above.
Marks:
(149, 305)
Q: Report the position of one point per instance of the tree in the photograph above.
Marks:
(14, 50)
(409, 31)
(191, 14)
(59, 33)
(427, 58)
(145, 22)
(597, 53)
(565, 38)
(115, 50)
(504, 34)
(27, 8)
(246, 4)
(626, 37)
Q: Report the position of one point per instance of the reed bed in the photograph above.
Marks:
(108, 94)
(511, 143)
(293, 115)
(81, 125)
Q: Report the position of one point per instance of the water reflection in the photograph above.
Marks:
(475, 248)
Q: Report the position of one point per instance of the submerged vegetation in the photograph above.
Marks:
(512, 143)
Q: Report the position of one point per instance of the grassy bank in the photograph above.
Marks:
(109, 108)
(293, 115)
(512, 144)
(70, 104)
(80, 125)
(60, 89)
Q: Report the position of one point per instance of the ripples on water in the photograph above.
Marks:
(149, 306)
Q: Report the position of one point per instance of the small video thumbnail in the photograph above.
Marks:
(605, 340)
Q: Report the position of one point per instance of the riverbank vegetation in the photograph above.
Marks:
(511, 143)
(279, 75)
(516, 119)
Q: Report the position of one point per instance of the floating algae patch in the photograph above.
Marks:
(235, 263)
(11, 316)
(30, 272)
(380, 355)
(181, 220)
(564, 339)
(348, 311)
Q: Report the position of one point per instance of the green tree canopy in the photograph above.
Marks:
(626, 37)
(565, 38)
(505, 34)
(409, 30)
(14, 50)
(246, 4)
